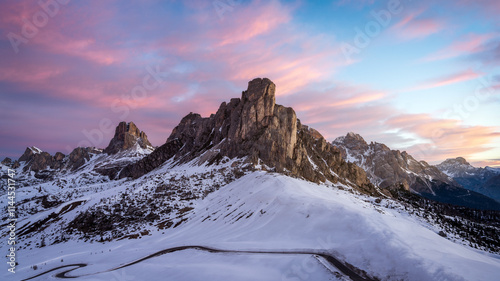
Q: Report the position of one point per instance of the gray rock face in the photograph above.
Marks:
(29, 153)
(386, 167)
(126, 137)
(392, 169)
(254, 127)
(7, 161)
(41, 161)
(78, 157)
(483, 180)
(37, 160)
(459, 167)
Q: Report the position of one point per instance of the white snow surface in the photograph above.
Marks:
(267, 211)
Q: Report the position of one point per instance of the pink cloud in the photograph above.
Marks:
(483, 163)
(208, 61)
(448, 80)
(472, 43)
(415, 27)
(64, 32)
(340, 109)
(441, 138)
(245, 25)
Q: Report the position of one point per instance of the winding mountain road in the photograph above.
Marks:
(346, 270)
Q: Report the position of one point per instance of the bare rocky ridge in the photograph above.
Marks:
(125, 142)
(37, 160)
(460, 168)
(45, 166)
(386, 167)
(264, 133)
(393, 169)
(126, 137)
(483, 180)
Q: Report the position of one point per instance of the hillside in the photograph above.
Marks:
(248, 193)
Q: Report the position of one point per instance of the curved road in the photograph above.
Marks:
(348, 271)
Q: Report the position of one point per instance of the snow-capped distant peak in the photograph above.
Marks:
(35, 150)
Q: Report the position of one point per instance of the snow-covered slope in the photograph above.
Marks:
(275, 213)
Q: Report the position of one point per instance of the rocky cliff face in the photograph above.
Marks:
(386, 167)
(127, 145)
(460, 168)
(391, 169)
(37, 160)
(127, 136)
(260, 131)
(42, 162)
(482, 180)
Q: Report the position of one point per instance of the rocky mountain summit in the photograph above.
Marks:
(36, 160)
(483, 180)
(264, 135)
(460, 168)
(127, 135)
(261, 132)
(386, 167)
(127, 145)
(391, 169)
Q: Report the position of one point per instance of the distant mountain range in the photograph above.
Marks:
(388, 169)
(482, 180)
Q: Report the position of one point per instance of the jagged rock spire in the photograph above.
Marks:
(254, 127)
(127, 135)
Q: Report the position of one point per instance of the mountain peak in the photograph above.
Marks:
(351, 141)
(258, 88)
(462, 160)
(258, 131)
(354, 136)
(29, 153)
(127, 135)
(456, 161)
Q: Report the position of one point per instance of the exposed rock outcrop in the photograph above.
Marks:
(254, 127)
(128, 144)
(40, 161)
(29, 153)
(386, 167)
(37, 160)
(127, 136)
(391, 169)
(7, 161)
(483, 180)
(79, 156)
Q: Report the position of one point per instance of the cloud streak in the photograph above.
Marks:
(454, 78)
(89, 58)
(444, 138)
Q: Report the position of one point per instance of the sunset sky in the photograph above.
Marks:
(421, 76)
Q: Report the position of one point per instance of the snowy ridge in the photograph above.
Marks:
(35, 150)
